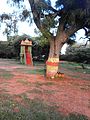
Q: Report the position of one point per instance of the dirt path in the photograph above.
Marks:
(70, 95)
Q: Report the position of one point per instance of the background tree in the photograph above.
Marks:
(7, 50)
(40, 48)
(10, 21)
(68, 17)
(78, 53)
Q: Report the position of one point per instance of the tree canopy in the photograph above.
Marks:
(69, 15)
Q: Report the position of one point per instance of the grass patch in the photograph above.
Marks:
(40, 91)
(36, 71)
(31, 110)
(76, 67)
(36, 91)
(39, 63)
(23, 81)
(75, 76)
(38, 84)
(5, 74)
(85, 87)
(49, 91)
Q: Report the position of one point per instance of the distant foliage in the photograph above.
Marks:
(78, 54)
(11, 48)
(7, 50)
(17, 41)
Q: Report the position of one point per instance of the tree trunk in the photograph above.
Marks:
(52, 64)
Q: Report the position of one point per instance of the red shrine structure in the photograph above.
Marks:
(26, 52)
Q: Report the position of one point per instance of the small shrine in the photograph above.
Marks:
(25, 52)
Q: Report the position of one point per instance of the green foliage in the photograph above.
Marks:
(77, 12)
(10, 23)
(17, 41)
(40, 47)
(70, 13)
(78, 54)
(11, 48)
(71, 40)
(71, 4)
(68, 17)
(42, 41)
(7, 50)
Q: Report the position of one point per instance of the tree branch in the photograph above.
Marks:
(72, 29)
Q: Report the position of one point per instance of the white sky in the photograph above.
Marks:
(23, 27)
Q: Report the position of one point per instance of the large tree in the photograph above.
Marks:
(58, 24)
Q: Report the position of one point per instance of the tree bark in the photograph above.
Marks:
(52, 64)
(56, 43)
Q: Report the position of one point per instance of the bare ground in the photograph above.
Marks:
(70, 94)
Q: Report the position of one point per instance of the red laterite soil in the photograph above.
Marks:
(69, 94)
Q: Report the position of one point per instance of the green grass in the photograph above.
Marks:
(40, 91)
(39, 63)
(24, 82)
(75, 67)
(35, 84)
(39, 84)
(40, 71)
(36, 71)
(35, 109)
(5, 74)
(72, 66)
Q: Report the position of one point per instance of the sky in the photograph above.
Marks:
(23, 27)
